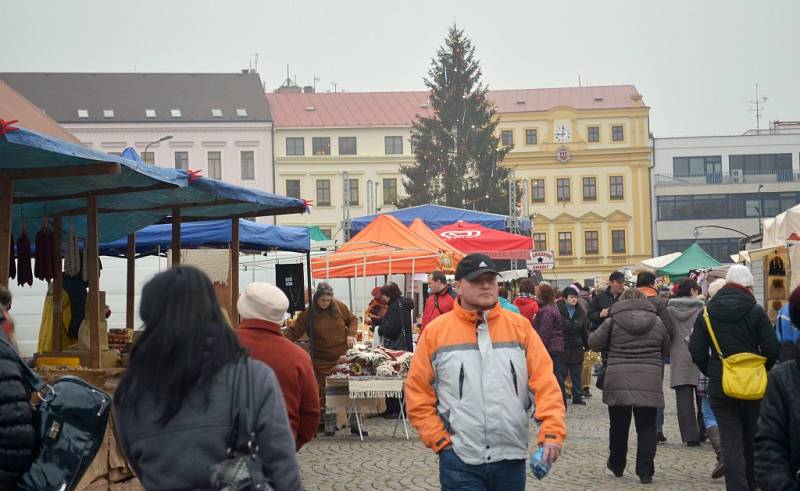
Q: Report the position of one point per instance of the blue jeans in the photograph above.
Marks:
(504, 475)
(708, 415)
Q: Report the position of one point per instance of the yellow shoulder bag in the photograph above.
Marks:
(744, 375)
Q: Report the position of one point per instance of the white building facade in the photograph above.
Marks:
(716, 189)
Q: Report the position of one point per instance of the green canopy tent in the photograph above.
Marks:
(694, 257)
(316, 234)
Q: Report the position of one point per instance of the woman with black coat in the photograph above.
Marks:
(395, 327)
(576, 335)
(17, 433)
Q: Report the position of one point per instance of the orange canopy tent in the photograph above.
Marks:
(419, 228)
(384, 247)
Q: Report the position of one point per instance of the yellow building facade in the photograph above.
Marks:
(586, 173)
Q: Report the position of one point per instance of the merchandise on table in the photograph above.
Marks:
(362, 361)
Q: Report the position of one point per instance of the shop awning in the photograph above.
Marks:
(436, 216)
(472, 238)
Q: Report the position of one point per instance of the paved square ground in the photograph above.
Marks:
(382, 462)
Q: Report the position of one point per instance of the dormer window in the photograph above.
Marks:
(108, 113)
(175, 113)
(149, 113)
(83, 113)
(241, 112)
(217, 113)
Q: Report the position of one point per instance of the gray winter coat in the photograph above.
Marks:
(636, 341)
(682, 313)
(177, 455)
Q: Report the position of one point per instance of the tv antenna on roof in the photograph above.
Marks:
(758, 108)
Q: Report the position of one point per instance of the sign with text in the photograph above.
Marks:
(541, 260)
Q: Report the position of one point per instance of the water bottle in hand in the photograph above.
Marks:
(538, 467)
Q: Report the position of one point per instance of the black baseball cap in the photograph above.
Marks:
(473, 266)
(616, 276)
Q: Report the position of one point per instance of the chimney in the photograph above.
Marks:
(308, 89)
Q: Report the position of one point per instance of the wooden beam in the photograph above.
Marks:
(176, 236)
(104, 168)
(163, 208)
(6, 199)
(93, 299)
(252, 214)
(234, 271)
(58, 286)
(99, 192)
(129, 298)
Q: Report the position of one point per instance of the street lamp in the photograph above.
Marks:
(760, 213)
(162, 139)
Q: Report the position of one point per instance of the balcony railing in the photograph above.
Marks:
(733, 177)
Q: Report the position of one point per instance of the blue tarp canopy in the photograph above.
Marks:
(213, 234)
(54, 176)
(436, 216)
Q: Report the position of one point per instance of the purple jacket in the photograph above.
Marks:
(550, 327)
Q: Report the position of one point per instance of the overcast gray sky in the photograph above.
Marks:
(695, 62)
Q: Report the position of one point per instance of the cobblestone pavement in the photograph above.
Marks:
(383, 462)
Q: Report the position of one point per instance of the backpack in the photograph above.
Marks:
(744, 375)
(450, 292)
(70, 421)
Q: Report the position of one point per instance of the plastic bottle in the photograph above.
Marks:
(538, 467)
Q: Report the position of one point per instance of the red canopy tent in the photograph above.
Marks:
(471, 238)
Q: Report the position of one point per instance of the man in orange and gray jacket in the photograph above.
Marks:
(472, 385)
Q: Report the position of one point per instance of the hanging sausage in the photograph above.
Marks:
(45, 250)
(12, 266)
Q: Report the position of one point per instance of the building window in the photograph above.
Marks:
(175, 113)
(108, 113)
(539, 241)
(149, 157)
(215, 165)
(593, 134)
(149, 113)
(295, 146)
(777, 164)
(508, 137)
(697, 167)
(562, 190)
(719, 249)
(393, 145)
(248, 164)
(326, 232)
(352, 189)
(216, 113)
(589, 188)
(537, 190)
(618, 241)
(724, 206)
(182, 160)
(616, 187)
(323, 192)
(293, 188)
(241, 112)
(530, 137)
(565, 243)
(83, 113)
(390, 191)
(591, 242)
(321, 145)
(347, 145)
(617, 133)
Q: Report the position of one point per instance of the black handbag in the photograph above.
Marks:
(601, 377)
(242, 468)
(70, 420)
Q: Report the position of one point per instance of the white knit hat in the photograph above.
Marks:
(741, 275)
(263, 301)
(715, 286)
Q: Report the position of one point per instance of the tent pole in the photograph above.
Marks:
(131, 283)
(234, 271)
(176, 236)
(6, 200)
(58, 285)
(93, 305)
(310, 299)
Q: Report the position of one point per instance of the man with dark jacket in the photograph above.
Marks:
(740, 325)
(777, 446)
(576, 337)
(441, 299)
(598, 311)
(17, 434)
(261, 308)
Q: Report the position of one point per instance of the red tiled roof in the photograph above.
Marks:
(14, 106)
(380, 109)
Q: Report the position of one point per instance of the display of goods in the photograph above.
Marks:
(120, 338)
(373, 362)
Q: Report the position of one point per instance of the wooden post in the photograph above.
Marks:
(93, 300)
(176, 236)
(129, 299)
(6, 200)
(234, 271)
(58, 286)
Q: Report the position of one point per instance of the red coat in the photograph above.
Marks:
(438, 304)
(528, 307)
(292, 366)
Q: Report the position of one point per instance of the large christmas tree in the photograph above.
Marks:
(456, 150)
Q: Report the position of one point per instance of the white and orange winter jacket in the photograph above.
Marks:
(473, 383)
